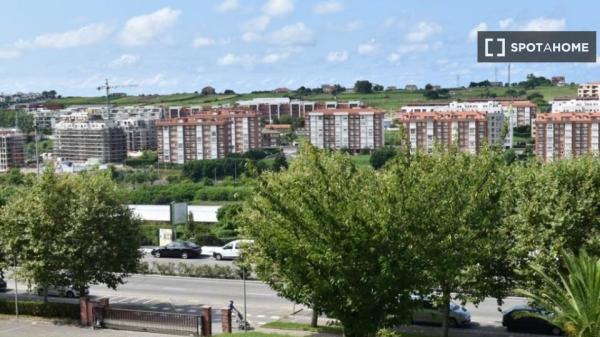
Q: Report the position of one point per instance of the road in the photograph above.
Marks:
(187, 295)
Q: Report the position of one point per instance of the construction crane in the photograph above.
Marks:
(108, 87)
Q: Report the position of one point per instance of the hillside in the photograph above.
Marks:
(387, 100)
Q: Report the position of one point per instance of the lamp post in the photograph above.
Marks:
(244, 282)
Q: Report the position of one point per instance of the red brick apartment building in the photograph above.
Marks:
(207, 134)
(426, 129)
(346, 128)
(566, 134)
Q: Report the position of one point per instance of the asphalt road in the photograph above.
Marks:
(188, 295)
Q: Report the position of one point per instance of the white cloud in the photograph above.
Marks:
(482, 26)
(125, 60)
(422, 31)
(278, 7)
(275, 57)
(228, 5)
(536, 24)
(353, 26)
(248, 60)
(328, 7)
(393, 57)
(83, 36)
(143, 29)
(419, 47)
(367, 48)
(294, 34)
(158, 80)
(506, 23)
(251, 37)
(201, 42)
(257, 24)
(337, 56)
(542, 23)
(590, 65)
(6, 54)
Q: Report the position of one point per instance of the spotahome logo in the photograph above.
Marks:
(536, 46)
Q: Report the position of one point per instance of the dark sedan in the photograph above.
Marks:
(520, 319)
(181, 249)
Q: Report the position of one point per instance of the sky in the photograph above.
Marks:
(181, 46)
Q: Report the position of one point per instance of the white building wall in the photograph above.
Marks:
(549, 142)
(214, 149)
(180, 150)
(199, 142)
(568, 140)
(594, 138)
(166, 143)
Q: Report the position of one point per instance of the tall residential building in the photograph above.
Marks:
(11, 149)
(79, 137)
(346, 128)
(591, 89)
(270, 108)
(566, 134)
(425, 130)
(207, 134)
(140, 134)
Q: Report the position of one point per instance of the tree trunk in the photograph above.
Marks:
(46, 294)
(445, 311)
(315, 318)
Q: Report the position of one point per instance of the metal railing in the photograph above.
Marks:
(153, 321)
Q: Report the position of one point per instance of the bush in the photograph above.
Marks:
(189, 270)
(41, 309)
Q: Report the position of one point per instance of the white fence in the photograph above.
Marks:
(162, 212)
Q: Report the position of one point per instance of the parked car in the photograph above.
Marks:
(181, 249)
(69, 292)
(429, 313)
(520, 319)
(229, 251)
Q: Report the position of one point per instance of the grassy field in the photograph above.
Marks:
(361, 160)
(387, 100)
(293, 326)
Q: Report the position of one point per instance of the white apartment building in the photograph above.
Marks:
(591, 89)
(567, 134)
(590, 104)
(353, 129)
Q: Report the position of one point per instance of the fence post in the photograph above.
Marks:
(226, 320)
(206, 321)
(84, 303)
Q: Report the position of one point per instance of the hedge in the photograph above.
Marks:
(190, 270)
(41, 309)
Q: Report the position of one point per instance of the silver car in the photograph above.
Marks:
(429, 313)
(69, 292)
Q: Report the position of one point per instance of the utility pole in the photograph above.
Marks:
(457, 81)
(509, 75)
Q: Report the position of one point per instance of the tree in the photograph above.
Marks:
(325, 236)
(363, 87)
(460, 241)
(551, 207)
(380, 156)
(280, 162)
(71, 230)
(377, 87)
(573, 296)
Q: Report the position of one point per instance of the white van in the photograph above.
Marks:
(229, 251)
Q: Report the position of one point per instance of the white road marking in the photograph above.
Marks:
(275, 317)
(260, 316)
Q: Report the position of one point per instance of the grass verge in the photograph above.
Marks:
(302, 327)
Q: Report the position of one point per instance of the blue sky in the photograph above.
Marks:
(244, 45)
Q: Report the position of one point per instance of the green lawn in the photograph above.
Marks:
(387, 100)
(302, 326)
(361, 160)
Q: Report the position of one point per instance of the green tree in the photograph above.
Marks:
(280, 162)
(573, 296)
(71, 230)
(326, 236)
(381, 156)
(461, 245)
(363, 87)
(551, 207)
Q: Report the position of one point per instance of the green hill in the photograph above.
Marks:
(387, 100)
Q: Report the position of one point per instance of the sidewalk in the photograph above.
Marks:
(30, 327)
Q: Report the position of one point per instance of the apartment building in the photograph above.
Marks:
(591, 89)
(346, 128)
(575, 104)
(11, 149)
(272, 134)
(566, 134)
(207, 134)
(270, 108)
(425, 130)
(80, 137)
(140, 134)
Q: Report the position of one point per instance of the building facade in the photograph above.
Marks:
(566, 134)
(80, 137)
(577, 104)
(207, 134)
(426, 130)
(588, 89)
(344, 128)
(11, 149)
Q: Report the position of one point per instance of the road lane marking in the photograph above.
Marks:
(275, 317)
(260, 316)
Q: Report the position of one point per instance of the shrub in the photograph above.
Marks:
(190, 270)
(41, 309)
